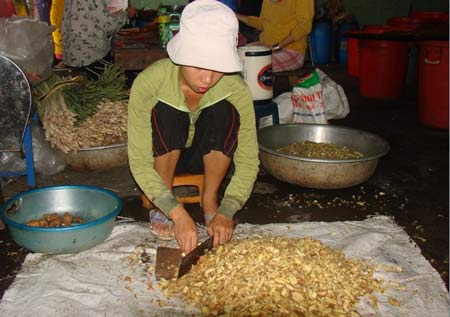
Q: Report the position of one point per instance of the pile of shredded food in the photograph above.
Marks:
(320, 150)
(275, 276)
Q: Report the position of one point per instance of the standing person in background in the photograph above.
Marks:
(21, 8)
(43, 10)
(193, 113)
(56, 15)
(251, 8)
(284, 26)
(87, 31)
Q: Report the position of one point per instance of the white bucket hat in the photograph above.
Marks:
(207, 38)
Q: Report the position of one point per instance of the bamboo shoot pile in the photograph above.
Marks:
(78, 113)
(275, 276)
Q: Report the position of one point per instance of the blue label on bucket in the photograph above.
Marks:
(265, 77)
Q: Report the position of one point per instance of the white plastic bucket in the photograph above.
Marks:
(257, 71)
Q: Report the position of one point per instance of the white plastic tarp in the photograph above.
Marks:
(103, 281)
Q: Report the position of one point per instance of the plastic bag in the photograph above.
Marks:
(11, 162)
(307, 100)
(29, 43)
(316, 98)
(47, 161)
(334, 98)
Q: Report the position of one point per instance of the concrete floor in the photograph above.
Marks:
(409, 184)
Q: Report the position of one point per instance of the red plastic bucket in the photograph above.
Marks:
(433, 83)
(420, 20)
(432, 22)
(405, 24)
(382, 68)
(430, 15)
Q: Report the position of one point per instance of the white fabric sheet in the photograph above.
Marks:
(102, 282)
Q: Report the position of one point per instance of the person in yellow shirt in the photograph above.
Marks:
(20, 8)
(56, 14)
(284, 26)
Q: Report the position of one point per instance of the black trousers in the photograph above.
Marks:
(216, 128)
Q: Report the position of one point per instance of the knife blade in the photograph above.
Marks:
(192, 257)
(168, 262)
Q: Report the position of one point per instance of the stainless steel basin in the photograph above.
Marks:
(320, 173)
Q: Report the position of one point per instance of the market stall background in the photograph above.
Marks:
(410, 184)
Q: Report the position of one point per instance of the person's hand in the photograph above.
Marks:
(221, 228)
(185, 229)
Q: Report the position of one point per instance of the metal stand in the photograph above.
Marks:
(28, 149)
(16, 116)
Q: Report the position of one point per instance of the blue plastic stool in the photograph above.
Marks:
(266, 109)
(28, 149)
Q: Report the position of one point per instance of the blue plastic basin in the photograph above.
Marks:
(97, 206)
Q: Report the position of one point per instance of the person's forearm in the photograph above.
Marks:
(250, 20)
(178, 213)
(286, 41)
(242, 18)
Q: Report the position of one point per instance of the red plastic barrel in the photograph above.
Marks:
(353, 53)
(382, 68)
(433, 83)
(353, 50)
